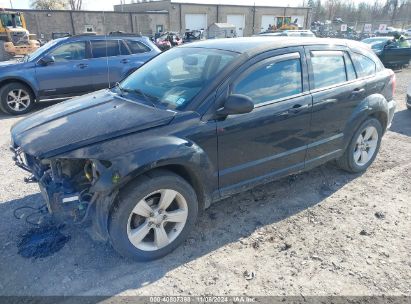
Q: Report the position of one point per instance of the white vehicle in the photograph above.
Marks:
(289, 33)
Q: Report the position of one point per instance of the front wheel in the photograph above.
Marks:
(153, 216)
(363, 148)
(16, 99)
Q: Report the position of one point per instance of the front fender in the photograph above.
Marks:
(147, 153)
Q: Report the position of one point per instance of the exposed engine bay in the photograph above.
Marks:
(74, 190)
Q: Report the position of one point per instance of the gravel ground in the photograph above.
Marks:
(322, 232)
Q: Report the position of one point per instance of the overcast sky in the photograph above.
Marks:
(107, 5)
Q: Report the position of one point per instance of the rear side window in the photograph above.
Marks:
(328, 68)
(271, 81)
(105, 48)
(364, 65)
(137, 47)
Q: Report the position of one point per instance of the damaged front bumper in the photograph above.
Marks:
(67, 203)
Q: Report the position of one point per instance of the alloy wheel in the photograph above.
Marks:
(18, 100)
(157, 220)
(365, 146)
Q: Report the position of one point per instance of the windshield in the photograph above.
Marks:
(7, 19)
(40, 50)
(175, 77)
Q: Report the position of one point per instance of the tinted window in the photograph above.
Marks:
(105, 48)
(137, 47)
(70, 51)
(328, 70)
(364, 65)
(123, 48)
(272, 81)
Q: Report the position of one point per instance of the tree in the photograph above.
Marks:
(75, 5)
(49, 4)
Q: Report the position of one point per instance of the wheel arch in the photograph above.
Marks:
(6, 81)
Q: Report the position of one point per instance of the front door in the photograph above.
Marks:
(69, 75)
(271, 141)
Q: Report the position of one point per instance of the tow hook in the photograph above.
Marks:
(30, 180)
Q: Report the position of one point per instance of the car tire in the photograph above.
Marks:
(143, 230)
(16, 98)
(363, 147)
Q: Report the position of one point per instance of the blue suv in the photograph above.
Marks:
(69, 67)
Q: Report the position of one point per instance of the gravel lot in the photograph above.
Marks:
(322, 232)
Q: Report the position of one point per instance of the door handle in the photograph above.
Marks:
(82, 65)
(297, 108)
(125, 61)
(358, 91)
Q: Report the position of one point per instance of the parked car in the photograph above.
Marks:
(194, 36)
(390, 53)
(70, 66)
(290, 33)
(141, 160)
(408, 101)
(168, 40)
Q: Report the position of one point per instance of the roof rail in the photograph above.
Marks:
(120, 33)
(85, 34)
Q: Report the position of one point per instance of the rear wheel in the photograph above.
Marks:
(153, 216)
(363, 148)
(16, 98)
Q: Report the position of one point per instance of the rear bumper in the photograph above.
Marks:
(392, 105)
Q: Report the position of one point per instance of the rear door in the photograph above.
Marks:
(69, 75)
(336, 94)
(270, 141)
(109, 63)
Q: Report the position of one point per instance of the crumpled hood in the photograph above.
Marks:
(82, 121)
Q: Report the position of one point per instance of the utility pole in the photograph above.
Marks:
(11, 4)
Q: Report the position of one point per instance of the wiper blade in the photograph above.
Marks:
(147, 98)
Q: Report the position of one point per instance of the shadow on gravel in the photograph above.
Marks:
(92, 268)
(402, 122)
(37, 107)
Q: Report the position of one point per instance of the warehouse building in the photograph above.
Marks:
(186, 16)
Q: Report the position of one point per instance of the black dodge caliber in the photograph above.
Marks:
(200, 123)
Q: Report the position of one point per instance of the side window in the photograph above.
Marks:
(364, 65)
(70, 51)
(271, 81)
(105, 48)
(123, 48)
(137, 47)
(328, 68)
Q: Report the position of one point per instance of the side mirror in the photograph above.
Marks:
(236, 104)
(47, 60)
